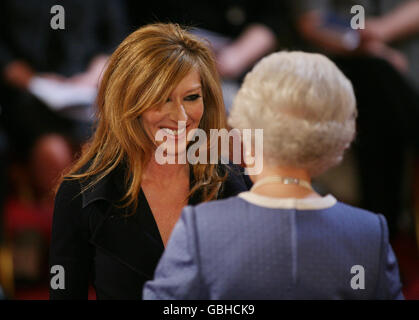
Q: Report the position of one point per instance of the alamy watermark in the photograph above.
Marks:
(358, 18)
(247, 147)
(58, 278)
(358, 280)
(58, 20)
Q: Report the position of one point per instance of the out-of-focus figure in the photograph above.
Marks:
(48, 84)
(381, 61)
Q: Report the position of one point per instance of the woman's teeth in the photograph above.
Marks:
(174, 132)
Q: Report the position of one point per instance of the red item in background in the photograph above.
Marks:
(19, 216)
(407, 254)
(42, 293)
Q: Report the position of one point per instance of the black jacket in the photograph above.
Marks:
(96, 244)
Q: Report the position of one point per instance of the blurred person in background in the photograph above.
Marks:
(240, 32)
(281, 239)
(3, 175)
(35, 61)
(29, 47)
(381, 61)
(3, 181)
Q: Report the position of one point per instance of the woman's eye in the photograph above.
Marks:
(192, 97)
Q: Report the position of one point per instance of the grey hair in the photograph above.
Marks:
(305, 106)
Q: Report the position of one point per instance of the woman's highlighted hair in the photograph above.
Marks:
(140, 74)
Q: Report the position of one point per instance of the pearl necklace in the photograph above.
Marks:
(283, 180)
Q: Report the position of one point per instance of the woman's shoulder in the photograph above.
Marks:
(345, 221)
(71, 188)
(68, 206)
(69, 191)
(88, 189)
(215, 212)
(78, 206)
(355, 213)
(230, 204)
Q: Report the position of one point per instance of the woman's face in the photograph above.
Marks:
(183, 110)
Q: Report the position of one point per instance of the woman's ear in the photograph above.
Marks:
(248, 153)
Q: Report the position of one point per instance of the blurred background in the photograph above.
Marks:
(49, 81)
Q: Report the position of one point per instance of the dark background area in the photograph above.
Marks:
(380, 172)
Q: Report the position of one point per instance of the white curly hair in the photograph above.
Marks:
(305, 106)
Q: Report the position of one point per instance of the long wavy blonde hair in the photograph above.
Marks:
(140, 75)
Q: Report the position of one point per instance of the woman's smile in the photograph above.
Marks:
(179, 115)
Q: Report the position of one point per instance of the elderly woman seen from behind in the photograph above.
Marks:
(281, 239)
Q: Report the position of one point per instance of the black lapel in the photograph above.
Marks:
(128, 240)
(132, 240)
(135, 240)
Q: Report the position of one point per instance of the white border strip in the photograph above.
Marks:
(289, 203)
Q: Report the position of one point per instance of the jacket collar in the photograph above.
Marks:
(135, 240)
(111, 188)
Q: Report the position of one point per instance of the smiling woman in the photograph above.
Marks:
(184, 104)
(116, 207)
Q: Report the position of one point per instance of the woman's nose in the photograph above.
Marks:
(178, 113)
